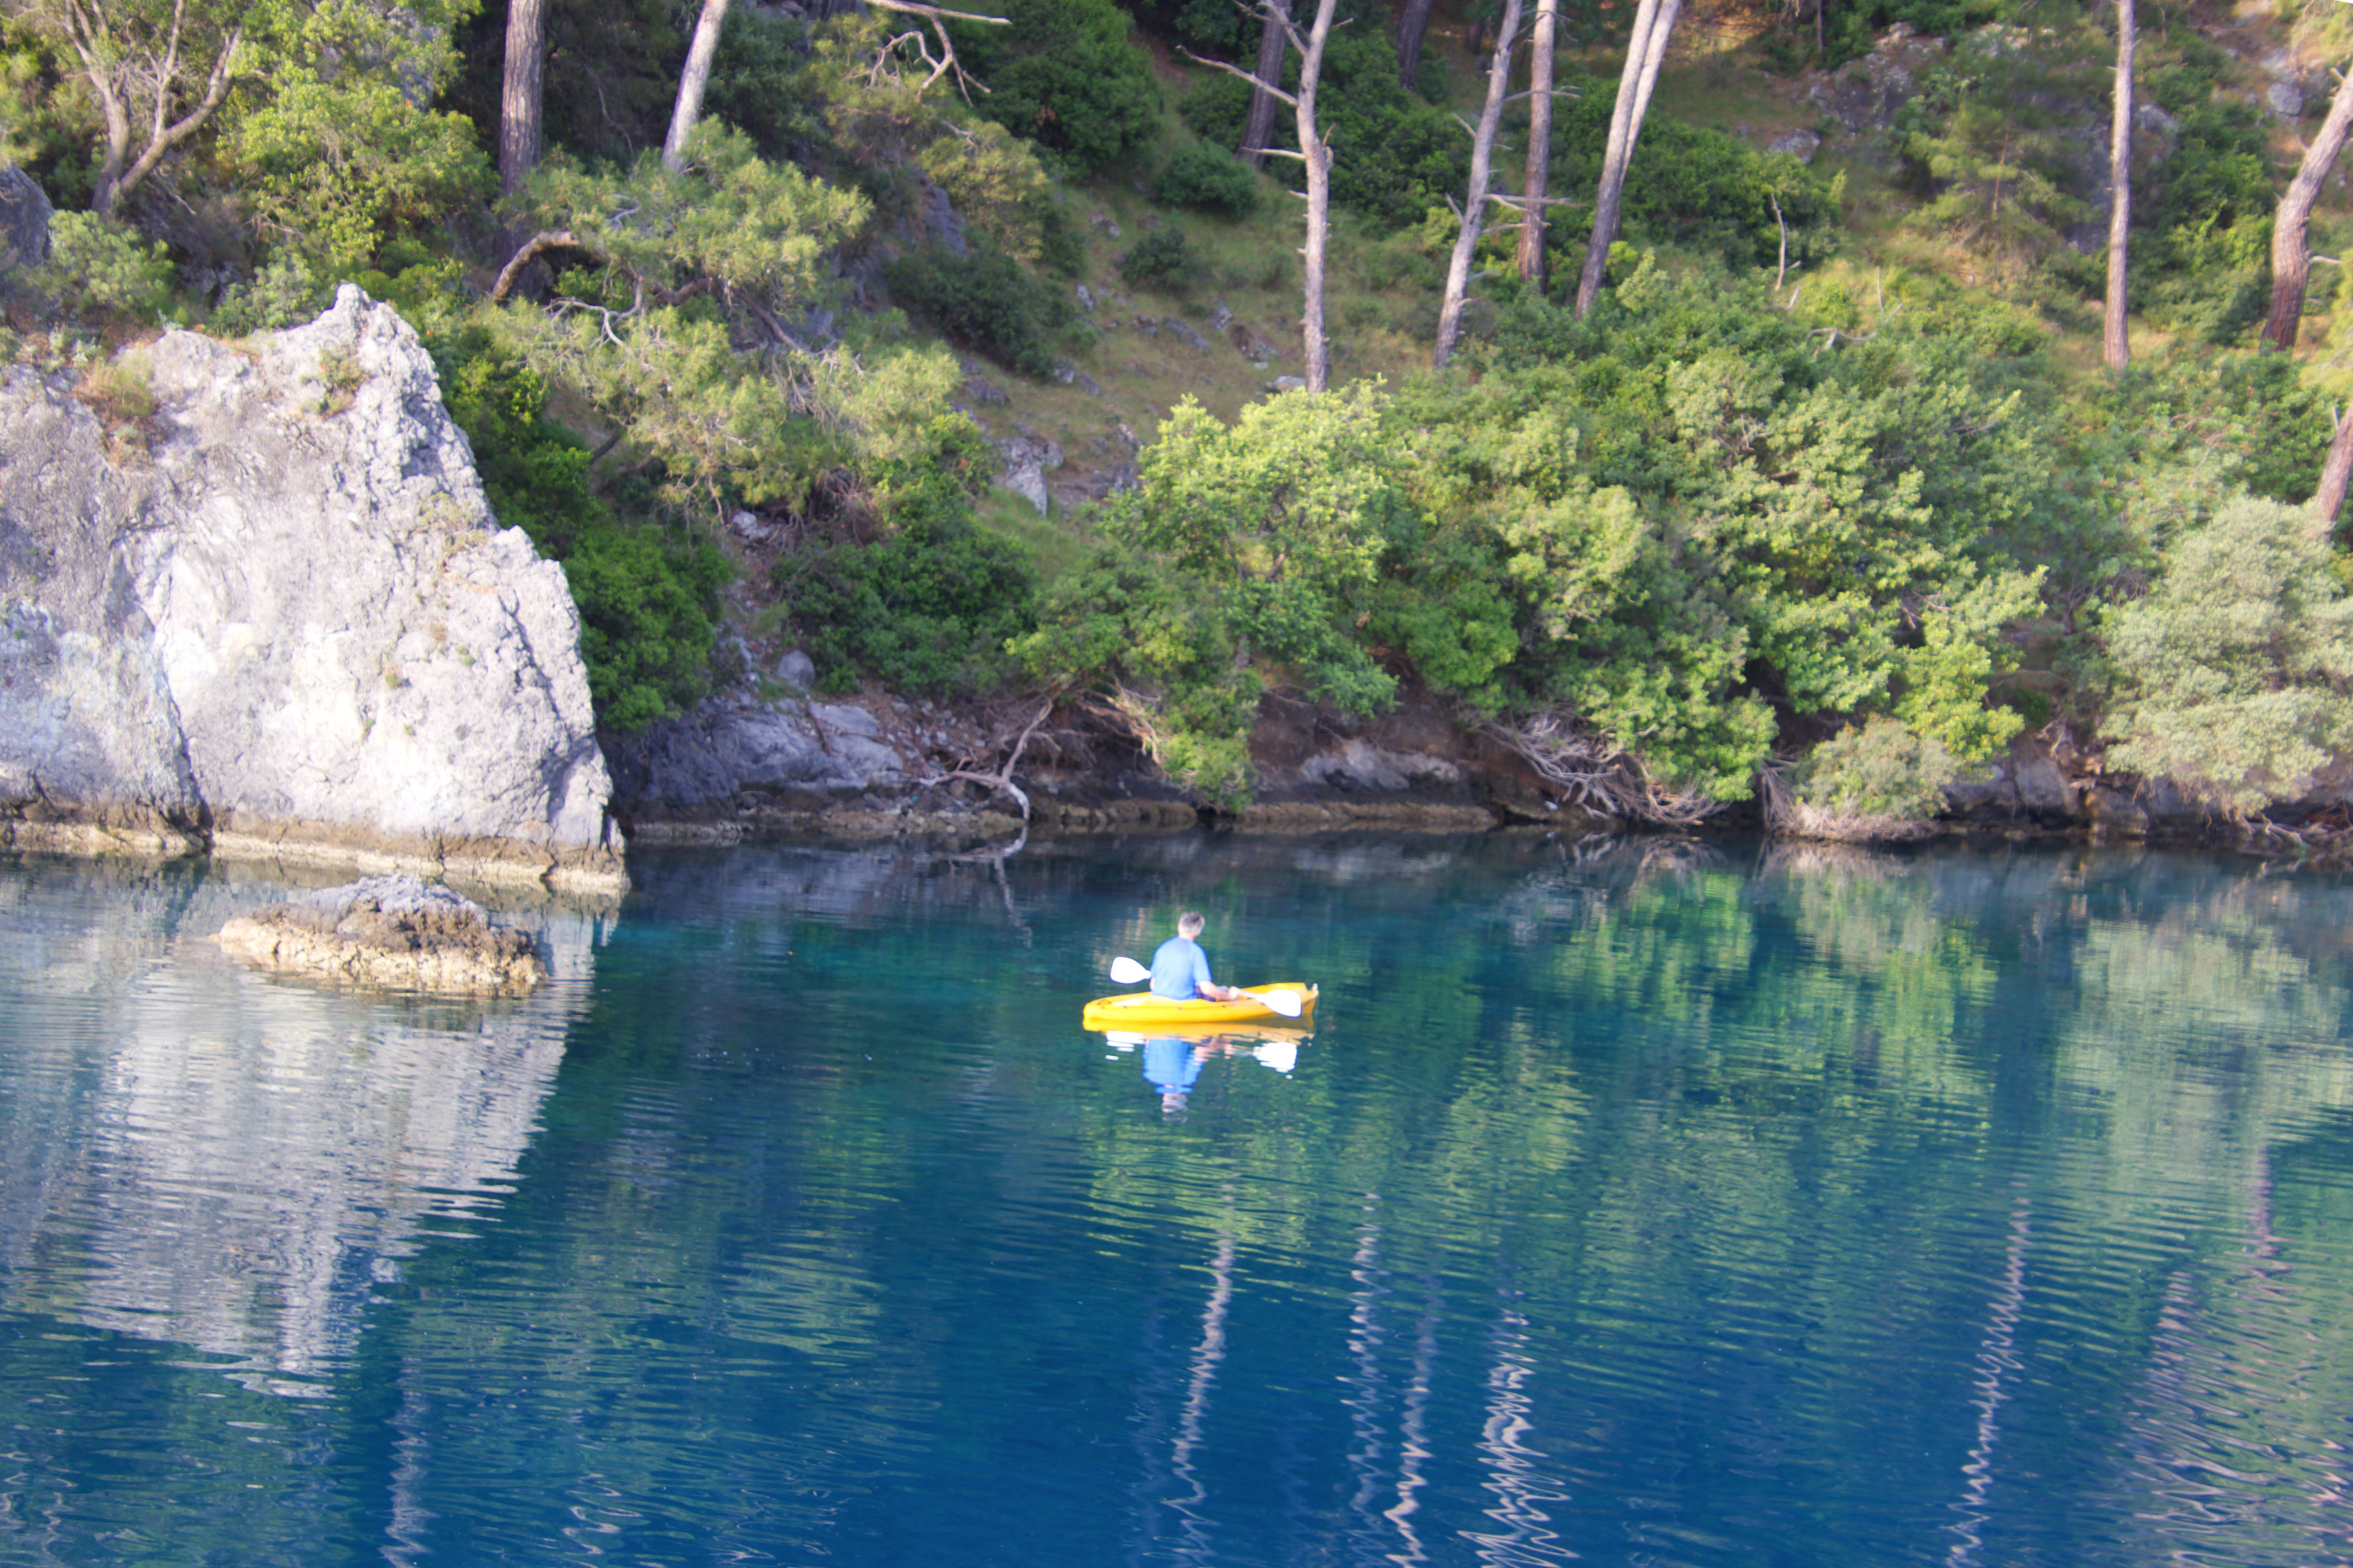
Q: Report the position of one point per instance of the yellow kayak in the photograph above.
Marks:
(1141, 1009)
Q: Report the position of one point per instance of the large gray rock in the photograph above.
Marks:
(23, 222)
(291, 626)
(696, 768)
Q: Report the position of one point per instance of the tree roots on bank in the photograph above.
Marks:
(1602, 778)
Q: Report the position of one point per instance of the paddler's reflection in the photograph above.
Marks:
(1173, 1062)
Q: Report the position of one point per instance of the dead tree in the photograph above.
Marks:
(692, 82)
(2292, 229)
(1646, 51)
(1316, 151)
(1474, 209)
(1539, 175)
(2116, 340)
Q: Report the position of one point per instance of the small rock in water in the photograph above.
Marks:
(395, 931)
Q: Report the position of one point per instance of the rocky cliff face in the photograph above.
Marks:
(276, 617)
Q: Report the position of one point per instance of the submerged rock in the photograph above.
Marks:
(394, 931)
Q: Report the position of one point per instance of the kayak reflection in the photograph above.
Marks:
(1173, 1061)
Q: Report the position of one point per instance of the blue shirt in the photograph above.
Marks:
(1170, 1064)
(1180, 969)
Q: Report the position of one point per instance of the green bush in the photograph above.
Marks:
(984, 300)
(283, 293)
(1881, 770)
(1399, 155)
(1160, 259)
(1065, 75)
(929, 608)
(2233, 672)
(648, 599)
(1695, 187)
(97, 266)
(1211, 178)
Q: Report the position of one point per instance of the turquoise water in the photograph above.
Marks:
(1650, 1204)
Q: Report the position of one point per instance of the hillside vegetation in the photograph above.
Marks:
(1831, 491)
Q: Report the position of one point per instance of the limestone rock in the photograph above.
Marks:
(23, 222)
(292, 627)
(1183, 333)
(1800, 144)
(394, 931)
(1028, 460)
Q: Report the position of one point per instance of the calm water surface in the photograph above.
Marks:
(1649, 1205)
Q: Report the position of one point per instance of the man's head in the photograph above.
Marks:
(1188, 925)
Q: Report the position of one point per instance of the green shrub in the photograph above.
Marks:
(984, 300)
(1400, 155)
(1065, 75)
(1211, 178)
(929, 608)
(1696, 187)
(648, 599)
(1881, 770)
(1160, 259)
(2233, 670)
(283, 293)
(97, 266)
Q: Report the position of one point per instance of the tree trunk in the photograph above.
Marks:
(1412, 23)
(2291, 230)
(1274, 42)
(2116, 340)
(1646, 51)
(1474, 207)
(692, 82)
(114, 74)
(520, 94)
(1319, 199)
(2329, 500)
(1539, 177)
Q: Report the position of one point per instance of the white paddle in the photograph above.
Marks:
(1290, 1004)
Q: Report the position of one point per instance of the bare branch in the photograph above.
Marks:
(1250, 76)
(935, 12)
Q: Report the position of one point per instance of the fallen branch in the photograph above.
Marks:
(1000, 781)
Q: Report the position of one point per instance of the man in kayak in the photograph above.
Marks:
(1181, 970)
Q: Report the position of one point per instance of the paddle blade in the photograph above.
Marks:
(1280, 1055)
(1288, 1002)
(1127, 972)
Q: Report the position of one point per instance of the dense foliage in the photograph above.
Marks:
(649, 598)
(1821, 473)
